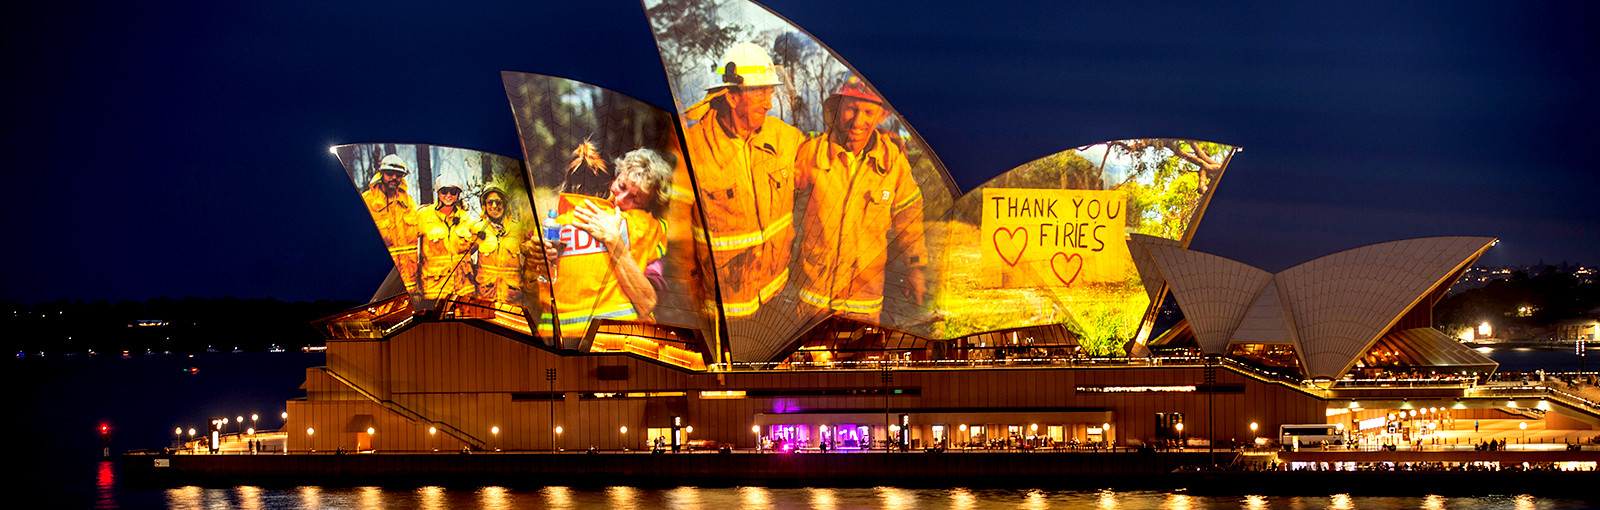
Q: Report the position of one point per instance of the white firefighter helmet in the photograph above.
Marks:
(447, 182)
(748, 65)
(392, 163)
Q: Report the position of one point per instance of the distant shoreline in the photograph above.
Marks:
(1549, 345)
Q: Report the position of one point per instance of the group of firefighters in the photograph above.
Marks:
(441, 247)
(857, 200)
(851, 187)
(447, 253)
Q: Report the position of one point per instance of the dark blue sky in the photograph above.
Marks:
(174, 150)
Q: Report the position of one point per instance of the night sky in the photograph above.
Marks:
(181, 149)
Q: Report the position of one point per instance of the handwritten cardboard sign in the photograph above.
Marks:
(1053, 238)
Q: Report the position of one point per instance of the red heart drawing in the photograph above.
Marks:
(1012, 236)
(1065, 260)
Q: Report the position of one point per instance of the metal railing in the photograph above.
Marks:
(407, 413)
(1539, 391)
(1386, 383)
(1019, 363)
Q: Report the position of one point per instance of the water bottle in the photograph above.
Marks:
(552, 230)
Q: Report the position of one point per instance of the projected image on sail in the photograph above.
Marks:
(817, 193)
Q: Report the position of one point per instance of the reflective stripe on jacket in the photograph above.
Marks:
(747, 192)
(859, 209)
(396, 218)
(586, 286)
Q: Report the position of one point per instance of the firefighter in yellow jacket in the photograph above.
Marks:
(744, 165)
(609, 264)
(447, 242)
(396, 216)
(499, 262)
(861, 205)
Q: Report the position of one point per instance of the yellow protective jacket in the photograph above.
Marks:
(586, 286)
(447, 242)
(859, 209)
(747, 190)
(396, 217)
(499, 269)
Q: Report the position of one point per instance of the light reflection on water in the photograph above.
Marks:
(822, 499)
(622, 497)
(1107, 499)
(683, 497)
(431, 497)
(895, 498)
(249, 497)
(731, 498)
(962, 499)
(495, 498)
(754, 498)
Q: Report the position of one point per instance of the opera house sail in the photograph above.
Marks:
(779, 258)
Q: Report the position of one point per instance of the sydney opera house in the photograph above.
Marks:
(782, 261)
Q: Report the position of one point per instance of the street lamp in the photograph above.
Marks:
(550, 377)
(756, 429)
(285, 416)
(432, 431)
(1524, 427)
(495, 431)
(1253, 436)
(624, 430)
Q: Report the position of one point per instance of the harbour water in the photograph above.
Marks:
(62, 401)
(754, 498)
